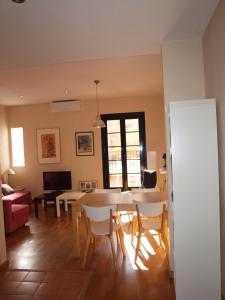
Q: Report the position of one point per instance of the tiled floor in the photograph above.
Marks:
(46, 244)
(27, 285)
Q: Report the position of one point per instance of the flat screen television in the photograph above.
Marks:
(57, 180)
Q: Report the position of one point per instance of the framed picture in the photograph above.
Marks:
(84, 143)
(88, 185)
(48, 145)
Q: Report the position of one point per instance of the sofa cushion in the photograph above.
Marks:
(7, 190)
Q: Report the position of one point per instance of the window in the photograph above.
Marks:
(17, 147)
(123, 150)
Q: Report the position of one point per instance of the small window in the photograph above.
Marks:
(17, 147)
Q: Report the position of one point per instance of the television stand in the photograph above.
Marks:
(51, 196)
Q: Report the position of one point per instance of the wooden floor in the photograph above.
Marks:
(46, 245)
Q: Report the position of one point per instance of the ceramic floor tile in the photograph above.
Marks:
(35, 276)
(15, 297)
(27, 288)
(47, 289)
(54, 277)
(15, 275)
(69, 289)
(8, 287)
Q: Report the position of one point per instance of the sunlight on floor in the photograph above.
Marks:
(145, 244)
(157, 238)
(131, 253)
(146, 249)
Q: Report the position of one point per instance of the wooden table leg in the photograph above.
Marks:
(36, 207)
(75, 224)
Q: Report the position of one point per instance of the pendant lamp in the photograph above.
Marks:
(98, 123)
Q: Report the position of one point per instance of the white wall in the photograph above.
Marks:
(214, 60)
(183, 79)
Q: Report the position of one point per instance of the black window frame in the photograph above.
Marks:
(142, 138)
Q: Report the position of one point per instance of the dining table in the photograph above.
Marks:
(103, 199)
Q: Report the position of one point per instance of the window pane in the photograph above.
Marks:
(113, 126)
(115, 167)
(115, 180)
(134, 180)
(114, 153)
(114, 139)
(133, 166)
(132, 138)
(17, 147)
(132, 125)
(133, 152)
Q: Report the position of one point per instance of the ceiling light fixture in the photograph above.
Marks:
(98, 123)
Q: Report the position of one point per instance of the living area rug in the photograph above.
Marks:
(43, 285)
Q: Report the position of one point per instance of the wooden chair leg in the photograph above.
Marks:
(113, 253)
(86, 250)
(120, 233)
(134, 229)
(117, 238)
(138, 246)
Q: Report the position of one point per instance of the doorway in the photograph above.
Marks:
(123, 150)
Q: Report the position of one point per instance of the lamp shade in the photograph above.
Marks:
(98, 123)
(11, 172)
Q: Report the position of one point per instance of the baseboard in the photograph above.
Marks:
(4, 265)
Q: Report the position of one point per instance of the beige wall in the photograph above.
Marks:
(4, 141)
(183, 80)
(214, 60)
(83, 168)
(4, 165)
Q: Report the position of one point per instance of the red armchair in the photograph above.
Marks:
(16, 209)
(19, 198)
(15, 215)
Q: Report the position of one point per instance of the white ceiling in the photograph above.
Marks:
(47, 46)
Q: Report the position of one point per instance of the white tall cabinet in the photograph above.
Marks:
(195, 204)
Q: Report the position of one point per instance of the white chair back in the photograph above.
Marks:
(150, 209)
(118, 190)
(98, 214)
(140, 190)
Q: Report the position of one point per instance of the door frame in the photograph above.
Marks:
(142, 136)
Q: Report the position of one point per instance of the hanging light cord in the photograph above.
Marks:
(97, 82)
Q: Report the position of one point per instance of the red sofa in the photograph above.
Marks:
(16, 210)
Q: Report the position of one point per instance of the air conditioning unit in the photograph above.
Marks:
(65, 105)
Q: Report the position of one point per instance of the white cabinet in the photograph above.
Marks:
(195, 185)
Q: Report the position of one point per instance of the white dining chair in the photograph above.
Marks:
(100, 222)
(150, 216)
(100, 191)
(145, 190)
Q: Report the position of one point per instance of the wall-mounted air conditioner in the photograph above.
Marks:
(65, 105)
